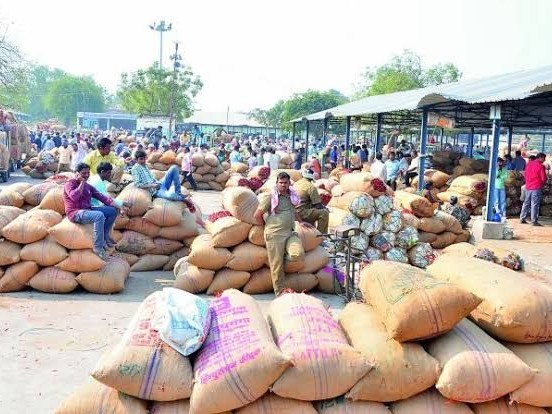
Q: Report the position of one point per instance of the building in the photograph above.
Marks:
(230, 122)
(106, 120)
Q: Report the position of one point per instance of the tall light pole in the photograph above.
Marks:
(176, 58)
(161, 27)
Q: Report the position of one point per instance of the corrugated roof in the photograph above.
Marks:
(219, 118)
(507, 87)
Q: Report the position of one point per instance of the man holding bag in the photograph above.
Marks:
(279, 224)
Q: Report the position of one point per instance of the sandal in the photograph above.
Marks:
(101, 254)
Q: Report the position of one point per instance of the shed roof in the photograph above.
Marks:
(219, 118)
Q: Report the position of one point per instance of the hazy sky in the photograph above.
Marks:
(252, 53)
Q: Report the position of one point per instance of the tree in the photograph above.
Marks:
(39, 80)
(70, 94)
(13, 71)
(404, 72)
(148, 91)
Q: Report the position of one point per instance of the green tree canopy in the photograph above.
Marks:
(148, 91)
(69, 94)
(13, 73)
(298, 105)
(404, 72)
(39, 79)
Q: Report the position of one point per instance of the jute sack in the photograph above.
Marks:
(135, 243)
(468, 185)
(463, 237)
(420, 206)
(310, 237)
(127, 257)
(343, 406)
(53, 200)
(140, 200)
(19, 187)
(324, 364)
(11, 198)
(394, 289)
(515, 307)
(31, 226)
(239, 167)
(247, 257)
(538, 391)
(358, 182)
(203, 254)
(168, 157)
(475, 367)
(273, 404)
(443, 240)
(187, 228)
(294, 249)
(259, 282)
(73, 235)
(339, 217)
(191, 278)
(430, 401)
(36, 193)
(164, 213)
(83, 260)
(295, 175)
(45, 252)
(315, 260)
(174, 257)
(503, 406)
(141, 225)
(464, 201)
(293, 267)
(53, 280)
(451, 223)
(241, 202)
(173, 407)
(17, 276)
(228, 279)
(9, 252)
(120, 222)
(110, 279)
(431, 225)
(238, 361)
(228, 231)
(410, 220)
(142, 365)
(166, 246)
(330, 279)
(256, 236)
(299, 282)
(425, 237)
(400, 370)
(149, 262)
(462, 249)
(8, 214)
(95, 398)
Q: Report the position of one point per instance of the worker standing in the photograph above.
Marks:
(279, 225)
(310, 208)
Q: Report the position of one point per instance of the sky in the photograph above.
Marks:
(252, 53)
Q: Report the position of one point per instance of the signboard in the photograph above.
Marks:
(153, 121)
(494, 112)
(437, 120)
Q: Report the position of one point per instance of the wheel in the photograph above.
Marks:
(4, 176)
(12, 166)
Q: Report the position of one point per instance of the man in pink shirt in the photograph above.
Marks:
(186, 168)
(535, 177)
(77, 195)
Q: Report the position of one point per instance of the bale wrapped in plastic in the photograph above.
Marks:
(396, 254)
(372, 225)
(392, 221)
(383, 204)
(407, 237)
(360, 242)
(421, 255)
(383, 241)
(372, 254)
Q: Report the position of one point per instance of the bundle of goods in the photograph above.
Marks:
(501, 256)
(208, 172)
(233, 254)
(379, 357)
(255, 179)
(470, 166)
(546, 203)
(438, 179)
(514, 182)
(445, 161)
(46, 251)
(471, 191)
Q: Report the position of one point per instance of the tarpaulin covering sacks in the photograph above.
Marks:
(515, 307)
(400, 370)
(142, 365)
(394, 289)
(238, 361)
(324, 364)
(475, 367)
(430, 401)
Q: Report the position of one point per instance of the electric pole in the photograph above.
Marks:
(161, 27)
(176, 58)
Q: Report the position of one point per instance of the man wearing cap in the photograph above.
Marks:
(310, 208)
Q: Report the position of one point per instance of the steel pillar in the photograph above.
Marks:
(293, 136)
(325, 132)
(510, 136)
(543, 143)
(470, 142)
(492, 170)
(423, 150)
(307, 143)
(378, 134)
(347, 140)
(441, 137)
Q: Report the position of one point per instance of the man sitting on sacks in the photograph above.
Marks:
(279, 224)
(143, 178)
(103, 153)
(310, 208)
(77, 195)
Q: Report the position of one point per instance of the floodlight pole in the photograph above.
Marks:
(495, 116)
(423, 150)
(161, 27)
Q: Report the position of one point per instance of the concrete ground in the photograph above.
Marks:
(49, 343)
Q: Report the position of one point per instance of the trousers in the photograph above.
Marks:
(276, 249)
(103, 218)
(190, 178)
(170, 179)
(319, 216)
(532, 200)
(500, 200)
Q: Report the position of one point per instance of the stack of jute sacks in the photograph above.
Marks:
(232, 254)
(471, 191)
(253, 179)
(208, 172)
(44, 250)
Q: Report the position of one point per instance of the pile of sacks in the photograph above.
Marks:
(546, 204)
(377, 357)
(470, 166)
(44, 250)
(471, 191)
(208, 172)
(253, 179)
(232, 253)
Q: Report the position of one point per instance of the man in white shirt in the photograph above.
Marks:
(64, 154)
(412, 170)
(378, 168)
(274, 159)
